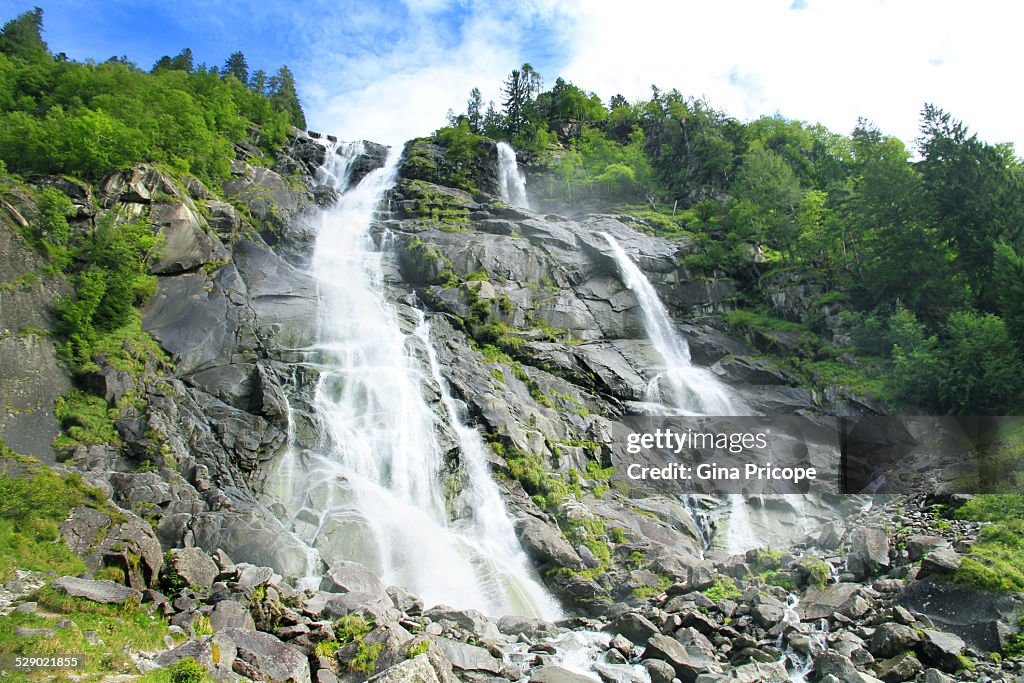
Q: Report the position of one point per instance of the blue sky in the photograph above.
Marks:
(390, 70)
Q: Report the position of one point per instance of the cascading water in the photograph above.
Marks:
(683, 387)
(511, 182)
(679, 386)
(371, 490)
(487, 530)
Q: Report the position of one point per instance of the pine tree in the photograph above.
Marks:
(237, 67)
(258, 82)
(22, 36)
(474, 116)
(517, 96)
(284, 97)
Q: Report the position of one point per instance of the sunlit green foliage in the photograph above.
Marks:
(86, 120)
(996, 561)
(34, 500)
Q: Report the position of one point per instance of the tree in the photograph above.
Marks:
(237, 67)
(975, 193)
(22, 38)
(284, 97)
(693, 148)
(895, 251)
(474, 115)
(517, 97)
(984, 375)
(258, 82)
(1008, 277)
(532, 80)
(772, 193)
(183, 61)
(915, 359)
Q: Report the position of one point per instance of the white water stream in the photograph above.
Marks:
(678, 384)
(682, 388)
(511, 181)
(372, 491)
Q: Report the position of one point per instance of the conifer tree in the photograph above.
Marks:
(22, 36)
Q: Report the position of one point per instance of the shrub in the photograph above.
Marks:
(187, 670)
(724, 588)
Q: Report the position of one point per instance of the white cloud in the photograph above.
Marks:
(829, 61)
(394, 92)
(826, 61)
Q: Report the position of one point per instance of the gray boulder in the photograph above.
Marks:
(263, 657)
(840, 669)
(185, 245)
(217, 653)
(940, 561)
(465, 657)
(942, 650)
(869, 552)
(919, 545)
(137, 185)
(903, 667)
(469, 620)
(546, 545)
(230, 614)
(688, 661)
(347, 577)
(632, 625)
(556, 674)
(419, 669)
(984, 620)
(404, 601)
(193, 565)
(836, 598)
(891, 639)
(618, 673)
(103, 591)
(533, 629)
(659, 670)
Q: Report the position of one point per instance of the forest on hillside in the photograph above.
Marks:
(920, 248)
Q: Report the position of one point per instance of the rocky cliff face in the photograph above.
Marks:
(546, 347)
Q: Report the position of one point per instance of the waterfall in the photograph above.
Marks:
(371, 490)
(511, 181)
(739, 534)
(487, 530)
(687, 389)
(682, 388)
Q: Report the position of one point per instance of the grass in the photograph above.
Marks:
(116, 626)
(85, 419)
(353, 629)
(740, 319)
(34, 500)
(996, 562)
(127, 347)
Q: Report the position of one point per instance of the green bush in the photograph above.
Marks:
(107, 292)
(188, 670)
(54, 210)
(724, 588)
